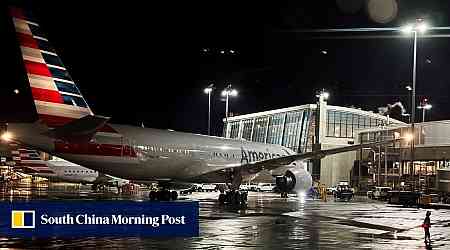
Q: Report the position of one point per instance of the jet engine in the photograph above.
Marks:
(296, 179)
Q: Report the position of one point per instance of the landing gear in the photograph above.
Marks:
(233, 197)
(98, 187)
(153, 195)
(174, 195)
(284, 195)
(163, 195)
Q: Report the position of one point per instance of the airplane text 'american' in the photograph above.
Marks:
(253, 156)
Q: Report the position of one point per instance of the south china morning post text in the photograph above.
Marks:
(114, 219)
(99, 218)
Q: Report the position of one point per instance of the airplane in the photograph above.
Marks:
(29, 161)
(67, 128)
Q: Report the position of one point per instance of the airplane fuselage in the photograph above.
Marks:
(137, 153)
(69, 172)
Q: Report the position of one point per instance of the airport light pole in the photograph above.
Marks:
(208, 90)
(424, 106)
(409, 88)
(419, 26)
(227, 92)
(322, 96)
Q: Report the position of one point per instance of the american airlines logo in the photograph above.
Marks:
(252, 156)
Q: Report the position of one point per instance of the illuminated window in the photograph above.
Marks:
(234, 130)
(259, 131)
(247, 130)
(292, 131)
(274, 134)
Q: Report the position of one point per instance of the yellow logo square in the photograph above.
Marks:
(22, 219)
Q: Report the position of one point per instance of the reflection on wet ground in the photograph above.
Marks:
(267, 222)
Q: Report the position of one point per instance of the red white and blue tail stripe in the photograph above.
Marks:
(56, 96)
(29, 161)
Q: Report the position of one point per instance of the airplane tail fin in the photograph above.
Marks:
(57, 98)
(28, 161)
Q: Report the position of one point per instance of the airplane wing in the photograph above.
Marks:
(286, 160)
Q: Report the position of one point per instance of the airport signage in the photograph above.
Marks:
(45, 219)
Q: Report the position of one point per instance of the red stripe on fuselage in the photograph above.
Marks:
(37, 68)
(27, 40)
(46, 95)
(94, 149)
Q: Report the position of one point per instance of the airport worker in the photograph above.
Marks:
(426, 227)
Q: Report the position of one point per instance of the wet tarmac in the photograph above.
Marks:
(268, 222)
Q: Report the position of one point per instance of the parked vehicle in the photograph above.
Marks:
(331, 190)
(379, 193)
(343, 192)
(253, 187)
(265, 187)
(188, 190)
(244, 187)
(405, 198)
(197, 187)
(209, 187)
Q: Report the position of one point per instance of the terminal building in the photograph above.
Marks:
(393, 166)
(302, 128)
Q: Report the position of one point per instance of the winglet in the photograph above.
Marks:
(79, 130)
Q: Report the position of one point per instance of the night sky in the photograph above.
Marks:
(139, 62)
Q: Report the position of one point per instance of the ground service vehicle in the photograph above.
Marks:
(405, 198)
(379, 193)
(343, 192)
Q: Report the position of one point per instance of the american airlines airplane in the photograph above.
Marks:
(68, 128)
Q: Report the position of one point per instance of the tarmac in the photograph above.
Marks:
(267, 222)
